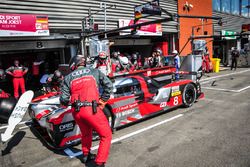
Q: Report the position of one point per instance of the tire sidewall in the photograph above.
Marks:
(187, 88)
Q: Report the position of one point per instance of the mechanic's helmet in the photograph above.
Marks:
(102, 55)
(175, 52)
(134, 55)
(2, 74)
(158, 50)
(124, 61)
(57, 74)
(76, 61)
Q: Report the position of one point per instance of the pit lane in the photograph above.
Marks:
(233, 82)
(213, 132)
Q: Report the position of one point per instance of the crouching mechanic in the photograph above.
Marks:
(80, 88)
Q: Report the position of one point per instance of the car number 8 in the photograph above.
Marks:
(176, 101)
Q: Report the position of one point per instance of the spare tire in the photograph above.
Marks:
(6, 108)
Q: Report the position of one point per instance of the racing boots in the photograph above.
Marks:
(94, 164)
(89, 158)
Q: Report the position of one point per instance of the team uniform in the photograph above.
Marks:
(83, 84)
(18, 73)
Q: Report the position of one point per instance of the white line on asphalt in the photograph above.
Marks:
(244, 88)
(21, 123)
(207, 79)
(228, 90)
(221, 89)
(71, 154)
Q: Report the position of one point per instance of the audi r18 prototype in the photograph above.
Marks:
(135, 96)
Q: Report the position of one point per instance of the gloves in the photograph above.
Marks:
(102, 104)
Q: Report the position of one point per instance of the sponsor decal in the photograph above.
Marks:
(163, 104)
(175, 88)
(65, 127)
(125, 113)
(126, 107)
(72, 141)
(176, 93)
(80, 72)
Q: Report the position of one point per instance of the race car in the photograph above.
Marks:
(135, 96)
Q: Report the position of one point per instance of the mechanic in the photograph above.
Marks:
(116, 65)
(176, 64)
(17, 72)
(125, 65)
(158, 59)
(206, 62)
(80, 88)
(55, 80)
(136, 61)
(103, 63)
(235, 55)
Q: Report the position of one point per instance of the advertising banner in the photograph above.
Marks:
(12, 25)
(148, 30)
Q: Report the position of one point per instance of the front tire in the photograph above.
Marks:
(189, 95)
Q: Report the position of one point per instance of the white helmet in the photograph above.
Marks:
(124, 60)
(103, 55)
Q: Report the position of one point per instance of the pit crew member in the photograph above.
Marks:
(17, 72)
(80, 88)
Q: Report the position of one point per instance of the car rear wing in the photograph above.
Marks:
(166, 70)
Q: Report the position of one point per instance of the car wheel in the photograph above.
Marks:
(189, 95)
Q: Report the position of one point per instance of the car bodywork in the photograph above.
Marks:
(135, 96)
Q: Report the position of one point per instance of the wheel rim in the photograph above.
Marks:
(189, 96)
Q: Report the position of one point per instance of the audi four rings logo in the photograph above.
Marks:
(84, 71)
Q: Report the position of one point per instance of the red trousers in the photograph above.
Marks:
(18, 82)
(87, 121)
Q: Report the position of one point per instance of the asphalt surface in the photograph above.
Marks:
(215, 131)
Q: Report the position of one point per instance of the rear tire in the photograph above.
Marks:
(189, 95)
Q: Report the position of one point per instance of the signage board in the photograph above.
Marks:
(224, 32)
(148, 9)
(148, 30)
(12, 25)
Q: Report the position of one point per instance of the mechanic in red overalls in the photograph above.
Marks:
(17, 71)
(103, 63)
(80, 88)
(116, 64)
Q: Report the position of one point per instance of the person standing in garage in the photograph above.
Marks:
(176, 64)
(235, 55)
(80, 88)
(17, 72)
